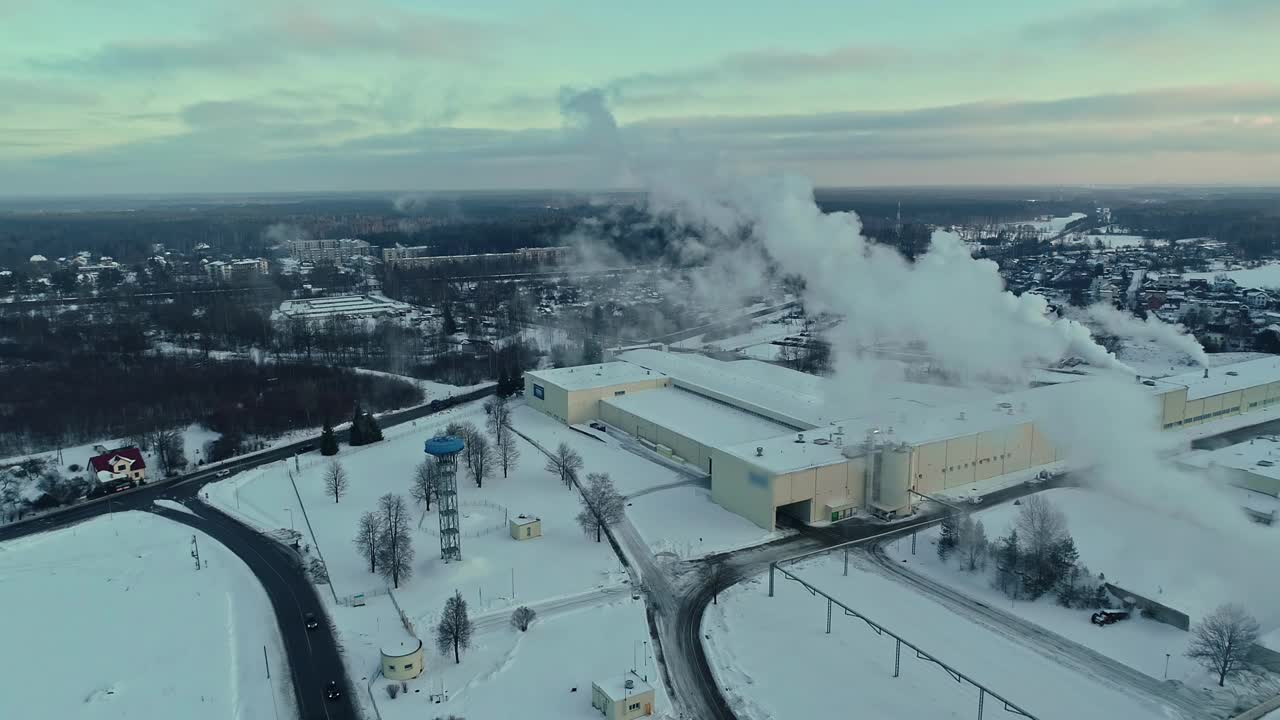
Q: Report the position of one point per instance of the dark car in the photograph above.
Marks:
(598, 426)
(331, 691)
(435, 405)
(310, 620)
(306, 448)
(1106, 617)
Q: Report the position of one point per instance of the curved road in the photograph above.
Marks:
(314, 656)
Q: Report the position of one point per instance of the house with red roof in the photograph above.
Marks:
(124, 463)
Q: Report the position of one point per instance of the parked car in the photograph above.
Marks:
(1106, 617)
(310, 621)
(331, 691)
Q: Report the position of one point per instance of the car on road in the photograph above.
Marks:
(435, 405)
(306, 448)
(310, 621)
(1106, 617)
(331, 691)
(222, 473)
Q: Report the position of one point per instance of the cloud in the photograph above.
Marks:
(298, 31)
(18, 92)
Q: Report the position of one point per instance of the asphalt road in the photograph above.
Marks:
(314, 656)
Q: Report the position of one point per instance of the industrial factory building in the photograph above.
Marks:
(772, 441)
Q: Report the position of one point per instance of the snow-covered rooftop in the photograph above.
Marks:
(616, 686)
(1241, 456)
(1228, 378)
(585, 377)
(704, 420)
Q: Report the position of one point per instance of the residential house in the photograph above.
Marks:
(124, 463)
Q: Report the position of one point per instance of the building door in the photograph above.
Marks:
(708, 463)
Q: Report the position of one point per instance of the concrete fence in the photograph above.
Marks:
(1155, 610)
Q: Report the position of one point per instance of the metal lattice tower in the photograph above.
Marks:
(445, 449)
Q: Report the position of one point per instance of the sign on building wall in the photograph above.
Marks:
(758, 479)
(538, 392)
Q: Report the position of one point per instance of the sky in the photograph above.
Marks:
(146, 96)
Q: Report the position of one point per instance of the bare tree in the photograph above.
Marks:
(367, 538)
(468, 432)
(521, 618)
(602, 506)
(335, 481)
(1222, 640)
(395, 547)
(717, 574)
(508, 450)
(1042, 528)
(454, 630)
(170, 449)
(479, 457)
(565, 462)
(499, 414)
(426, 482)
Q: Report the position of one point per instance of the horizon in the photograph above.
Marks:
(284, 97)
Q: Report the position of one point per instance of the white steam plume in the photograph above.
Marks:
(954, 305)
(280, 233)
(1123, 324)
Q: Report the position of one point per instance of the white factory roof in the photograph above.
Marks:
(703, 420)
(616, 688)
(1241, 456)
(1228, 378)
(793, 398)
(342, 305)
(585, 377)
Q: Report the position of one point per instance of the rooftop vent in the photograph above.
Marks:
(1149, 383)
(629, 684)
(1206, 372)
(1006, 406)
(1232, 373)
(821, 441)
(839, 429)
(961, 414)
(800, 437)
(1265, 463)
(759, 451)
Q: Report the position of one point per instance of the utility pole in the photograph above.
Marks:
(195, 551)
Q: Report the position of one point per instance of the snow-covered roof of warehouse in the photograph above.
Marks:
(794, 398)
(701, 419)
(616, 687)
(585, 377)
(1241, 456)
(1228, 378)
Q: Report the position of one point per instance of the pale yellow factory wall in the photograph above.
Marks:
(742, 488)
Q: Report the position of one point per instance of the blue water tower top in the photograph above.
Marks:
(444, 445)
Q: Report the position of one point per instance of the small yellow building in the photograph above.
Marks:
(526, 527)
(624, 698)
(402, 660)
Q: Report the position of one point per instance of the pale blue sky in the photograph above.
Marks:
(249, 95)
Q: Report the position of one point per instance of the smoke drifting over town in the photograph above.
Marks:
(1173, 337)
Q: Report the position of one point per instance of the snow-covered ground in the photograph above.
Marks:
(685, 521)
(540, 667)
(764, 331)
(1108, 241)
(110, 619)
(1052, 226)
(194, 437)
(1137, 548)
(631, 473)
(774, 659)
(1266, 276)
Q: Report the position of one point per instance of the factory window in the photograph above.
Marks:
(616, 393)
(539, 392)
(633, 706)
(408, 666)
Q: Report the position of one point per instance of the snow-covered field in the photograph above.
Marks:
(1052, 225)
(685, 520)
(540, 667)
(774, 659)
(1266, 276)
(1137, 548)
(194, 438)
(110, 619)
(563, 568)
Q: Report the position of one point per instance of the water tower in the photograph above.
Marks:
(445, 449)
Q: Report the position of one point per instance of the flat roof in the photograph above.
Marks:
(616, 689)
(586, 377)
(698, 418)
(1241, 456)
(791, 397)
(1228, 378)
